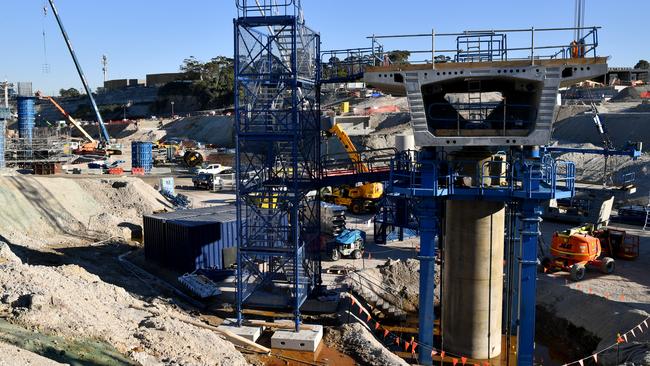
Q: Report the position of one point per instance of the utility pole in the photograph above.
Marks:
(105, 67)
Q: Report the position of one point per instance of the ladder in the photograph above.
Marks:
(475, 102)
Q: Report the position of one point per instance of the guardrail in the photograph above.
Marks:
(369, 161)
(522, 178)
(265, 8)
(494, 45)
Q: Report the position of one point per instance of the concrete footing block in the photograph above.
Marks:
(252, 333)
(306, 340)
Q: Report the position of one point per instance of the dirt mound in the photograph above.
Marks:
(589, 168)
(568, 111)
(37, 211)
(12, 355)
(383, 101)
(622, 127)
(217, 130)
(68, 301)
(128, 198)
(396, 282)
(403, 278)
(629, 94)
(357, 340)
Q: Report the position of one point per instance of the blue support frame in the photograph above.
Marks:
(529, 180)
(429, 230)
(531, 212)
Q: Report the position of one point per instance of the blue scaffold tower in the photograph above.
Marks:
(277, 121)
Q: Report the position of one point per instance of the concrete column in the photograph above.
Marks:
(472, 297)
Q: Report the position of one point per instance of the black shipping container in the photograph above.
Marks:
(191, 239)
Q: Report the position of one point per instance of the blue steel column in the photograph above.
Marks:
(428, 222)
(238, 296)
(530, 219)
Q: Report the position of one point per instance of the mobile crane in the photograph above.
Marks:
(362, 197)
(105, 139)
(92, 147)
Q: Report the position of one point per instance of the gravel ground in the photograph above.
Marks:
(12, 356)
(68, 301)
(603, 305)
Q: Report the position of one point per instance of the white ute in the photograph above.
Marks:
(213, 169)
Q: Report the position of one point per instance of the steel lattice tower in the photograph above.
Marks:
(278, 151)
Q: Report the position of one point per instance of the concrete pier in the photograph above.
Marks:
(473, 278)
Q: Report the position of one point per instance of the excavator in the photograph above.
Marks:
(362, 197)
(92, 146)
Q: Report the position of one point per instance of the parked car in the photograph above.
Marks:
(213, 169)
(207, 181)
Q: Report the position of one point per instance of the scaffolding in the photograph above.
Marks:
(47, 145)
(278, 149)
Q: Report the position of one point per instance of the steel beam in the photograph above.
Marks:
(530, 218)
(429, 228)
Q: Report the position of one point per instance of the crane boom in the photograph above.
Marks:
(104, 133)
(349, 147)
(68, 116)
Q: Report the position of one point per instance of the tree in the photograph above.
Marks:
(399, 57)
(216, 84)
(642, 64)
(69, 93)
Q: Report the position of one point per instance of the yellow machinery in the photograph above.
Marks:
(362, 197)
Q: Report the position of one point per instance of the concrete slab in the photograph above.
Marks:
(252, 333)
(307, 340)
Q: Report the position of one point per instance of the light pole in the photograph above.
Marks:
(127, 105)
(172, 102)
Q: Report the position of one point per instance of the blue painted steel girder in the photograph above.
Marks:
(530, 219)
(427, 212)
(429, 190)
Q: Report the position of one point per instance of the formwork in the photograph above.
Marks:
(142, 155)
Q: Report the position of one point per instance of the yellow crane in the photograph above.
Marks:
(363, 196)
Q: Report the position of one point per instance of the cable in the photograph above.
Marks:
(46, 65)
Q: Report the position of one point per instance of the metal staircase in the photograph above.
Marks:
(278, 143)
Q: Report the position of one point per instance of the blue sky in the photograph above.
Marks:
(147, 36)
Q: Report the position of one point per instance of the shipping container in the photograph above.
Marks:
(188, 240)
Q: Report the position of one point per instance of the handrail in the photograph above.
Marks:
(527, 177)
(492, 45)
(265, 8)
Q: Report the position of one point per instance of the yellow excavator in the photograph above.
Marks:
(362, 197)
(92, 147)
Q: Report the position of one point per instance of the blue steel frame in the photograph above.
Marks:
(526, 181)
(277, 104)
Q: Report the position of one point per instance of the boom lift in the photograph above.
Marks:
(89, 148)
(360, 198)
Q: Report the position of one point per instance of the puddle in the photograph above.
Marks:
(324, 355)
(72, 352)
(558, 341)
